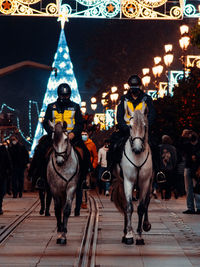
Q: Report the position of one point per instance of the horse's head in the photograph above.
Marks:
(138, 129)
(60, 142)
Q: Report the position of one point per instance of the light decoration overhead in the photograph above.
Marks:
(174, 77)
(100, 118)
(193, 61)
(130, 9)
(191, 9)
(110, 118)
(49, 8)
(153, 94)
(162, 90)
(65, 74)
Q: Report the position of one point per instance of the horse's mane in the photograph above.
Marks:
(58, 132)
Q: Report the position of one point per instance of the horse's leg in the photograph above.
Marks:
(140, 211)
(125, 225)
(143, 209)
(67, 210)
(128, 188)
(58, 209)
(146, 223)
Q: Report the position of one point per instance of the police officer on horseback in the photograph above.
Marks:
(63, 109)
(133, 100)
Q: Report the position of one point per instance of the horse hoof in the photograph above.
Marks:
(123, 239)
(140, 242)
(146, 227)
(128, 241)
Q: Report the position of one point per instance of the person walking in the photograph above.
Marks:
(167, 164)
(102, 162)
(191, 148)
(5, 170)
(20, 158)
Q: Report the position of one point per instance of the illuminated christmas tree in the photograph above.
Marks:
(65, 74)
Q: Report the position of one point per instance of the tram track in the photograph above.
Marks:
(87, 250)
(8, 229)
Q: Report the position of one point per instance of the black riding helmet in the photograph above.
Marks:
(135, 83)
(64, 90)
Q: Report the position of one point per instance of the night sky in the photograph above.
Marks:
(36, 39)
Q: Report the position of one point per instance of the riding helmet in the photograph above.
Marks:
(134, 81)
(64, 89)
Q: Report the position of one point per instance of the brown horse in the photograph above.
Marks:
(63, 173)
(135, 168)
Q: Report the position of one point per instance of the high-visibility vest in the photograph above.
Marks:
(128, 105)
(67, 115)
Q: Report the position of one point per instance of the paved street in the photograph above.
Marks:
(174, 239)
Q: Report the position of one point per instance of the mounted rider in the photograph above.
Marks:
(133, 100)
(63, 109)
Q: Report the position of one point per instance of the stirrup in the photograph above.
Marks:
(106, 176)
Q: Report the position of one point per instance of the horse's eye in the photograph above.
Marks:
(130, 126)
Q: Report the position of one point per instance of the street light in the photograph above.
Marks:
(184, 42)
(83, 107)
(93, 103)
(168, 59)
(126, 87)
(93, 106)
(157, 71)
(146, 80)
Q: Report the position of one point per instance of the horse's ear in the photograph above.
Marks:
(51, 124)
(65, 125)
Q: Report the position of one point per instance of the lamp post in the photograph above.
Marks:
(114, 96)
(146, 78)
(168, 59)
(83, 107)
(184, 42)
(93, 103)
(157, 71)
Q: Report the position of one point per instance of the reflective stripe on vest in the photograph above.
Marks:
(67, 116)
(129, 106)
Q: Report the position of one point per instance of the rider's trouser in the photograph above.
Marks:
(117, 143)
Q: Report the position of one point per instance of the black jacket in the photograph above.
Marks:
(141, 98)
(60, 108)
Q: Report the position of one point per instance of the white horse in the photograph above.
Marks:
(63, 174)
(135, 168)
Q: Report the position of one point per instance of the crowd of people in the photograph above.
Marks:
(14, 158)
(176, 165)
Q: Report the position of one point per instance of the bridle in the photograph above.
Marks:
(65, 156)
(64, 153)
(132, 139)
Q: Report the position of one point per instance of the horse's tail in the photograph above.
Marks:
(118, 195)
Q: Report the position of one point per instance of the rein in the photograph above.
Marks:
(137, 167)
(61, 176)
(62, 154)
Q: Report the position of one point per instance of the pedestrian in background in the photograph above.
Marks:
(102, 162)
(20, 159)
(5, 170)
(168, 160)
(191, 147)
